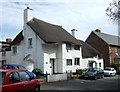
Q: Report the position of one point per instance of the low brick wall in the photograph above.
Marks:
(56, 77)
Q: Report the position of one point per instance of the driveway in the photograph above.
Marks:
(108, 83)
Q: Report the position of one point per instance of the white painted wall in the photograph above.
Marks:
(85, 61)
(70, 54)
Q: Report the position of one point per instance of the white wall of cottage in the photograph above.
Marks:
(39, 55)
(70, 54)
(85, 62)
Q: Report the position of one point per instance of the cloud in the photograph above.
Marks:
(79, 14)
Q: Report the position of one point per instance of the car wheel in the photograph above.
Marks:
(102, 76)
(95, 77)
(110, 74)
(37, 89)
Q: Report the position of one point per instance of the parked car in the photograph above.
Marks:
(17, 66)
(109, 71)
(13, 80)
(93, 73)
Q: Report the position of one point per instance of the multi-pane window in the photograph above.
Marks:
(68, 46)
(77, 61)
(3, 52)
(14, 50)
(69, 62)
(29, 42)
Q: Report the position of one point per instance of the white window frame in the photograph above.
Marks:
(14, 50)
(77, 61)
(69, 62)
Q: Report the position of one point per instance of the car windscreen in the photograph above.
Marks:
(2, 77)
(22, 67)
(108, 69)
(91, 70)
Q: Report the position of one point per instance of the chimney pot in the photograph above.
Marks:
(73, 32)
(98, 30)
(9, 40)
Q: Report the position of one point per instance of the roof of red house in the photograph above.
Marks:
(109, 39)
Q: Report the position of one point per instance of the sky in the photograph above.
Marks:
(83, 15)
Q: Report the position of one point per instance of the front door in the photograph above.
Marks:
(52, 61)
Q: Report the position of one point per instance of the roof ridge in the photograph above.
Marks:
(105, 34)
(46, 22)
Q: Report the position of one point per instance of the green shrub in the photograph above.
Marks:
(37, 71)
(115, 65)
(80, 71)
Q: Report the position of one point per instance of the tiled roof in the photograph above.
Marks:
(109, 39)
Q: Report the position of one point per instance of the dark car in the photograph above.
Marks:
(17, 66)
(93, 73)
(13, 80)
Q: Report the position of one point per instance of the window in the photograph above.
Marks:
(77, 47)
(29, 42)
(14, 50)
(3, 52)
(69, 62)
(2, 77)
(116, 51)
(68, 46)
(77, 61)
(24, 76)
(14, 77)
(99, 64)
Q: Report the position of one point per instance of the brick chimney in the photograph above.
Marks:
(9, 40)
(98, 30)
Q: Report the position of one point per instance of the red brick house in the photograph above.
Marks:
(107, 45)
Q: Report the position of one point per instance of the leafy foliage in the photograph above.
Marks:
(115, 65)
(80, 71)
(37, 71)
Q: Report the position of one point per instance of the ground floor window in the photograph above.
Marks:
(2, 62)
(77, 61)
(99, 64)
(69, 62)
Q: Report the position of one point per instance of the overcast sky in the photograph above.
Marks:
(83, 15)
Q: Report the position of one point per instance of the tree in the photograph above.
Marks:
(116, 65)
(113, 11)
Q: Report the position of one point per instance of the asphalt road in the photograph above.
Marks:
(108, 83)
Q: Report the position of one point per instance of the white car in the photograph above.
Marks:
(109, 71)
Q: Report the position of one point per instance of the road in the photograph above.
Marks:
(108, 83)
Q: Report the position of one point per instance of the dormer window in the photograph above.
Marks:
(30, 42)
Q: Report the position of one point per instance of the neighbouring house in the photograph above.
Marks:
(90, 57)
(107, 45)
(46, 46)
(5, 49)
